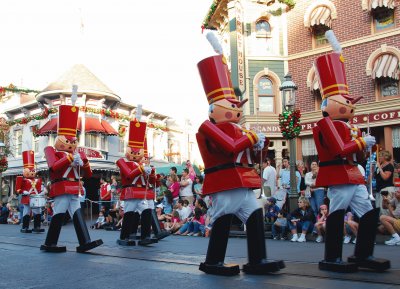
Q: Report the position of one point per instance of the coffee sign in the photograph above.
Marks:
(91, 153)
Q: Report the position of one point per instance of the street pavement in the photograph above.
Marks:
(172, 263)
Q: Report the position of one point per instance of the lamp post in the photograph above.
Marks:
(2, 154)
(288, 89)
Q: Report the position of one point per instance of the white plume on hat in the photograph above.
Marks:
(214, 42)
(330, 36)
(74, 94)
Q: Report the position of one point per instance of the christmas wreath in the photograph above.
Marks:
(3, 164)
(289, 123)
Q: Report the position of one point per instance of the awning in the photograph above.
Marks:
(48, 128)
(92, 125)
(312, 80)
(373, 4)
(386, 65)
(321, 15)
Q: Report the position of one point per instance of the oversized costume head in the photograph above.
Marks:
(217, 84)
(67, 127)
(28, 159)
(137, 133)
(336, 100)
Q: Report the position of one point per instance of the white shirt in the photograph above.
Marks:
(184, 213)
(269, 177)
(186, 191)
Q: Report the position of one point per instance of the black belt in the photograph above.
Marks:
(337, 162)
(64, 179)
(226, 166)
(135, 186)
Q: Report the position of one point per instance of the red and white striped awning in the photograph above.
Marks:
(373, 4)
(320, 15)
(386, 65)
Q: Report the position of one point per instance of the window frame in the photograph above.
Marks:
(18, 144)
(276, 82)
(373, 21)
(267, 34)
(314, 37)
(378, 89)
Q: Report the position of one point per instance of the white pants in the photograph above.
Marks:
(355, 196)
(241, 202)
(66, 202)
(27, 210)
(138, 205)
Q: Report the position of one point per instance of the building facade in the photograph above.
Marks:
(266, 39)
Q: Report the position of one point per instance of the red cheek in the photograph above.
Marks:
(62, 147)
(228, 115)
(342, 110)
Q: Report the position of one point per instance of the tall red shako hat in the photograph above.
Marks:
(28, 159)
(215, 76)
(68, 117)
(137, 133)
(331, 72)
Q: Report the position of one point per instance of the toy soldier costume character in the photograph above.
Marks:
(28, 185)
(340, 147)
(66, 166)
(228, 152)
(136, 192)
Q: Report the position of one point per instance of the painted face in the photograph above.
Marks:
(223, 111)
(338, 107)
(65, 145)
(29, 173)
(135, 155)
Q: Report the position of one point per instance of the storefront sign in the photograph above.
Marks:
(91, 153)
(240, 45)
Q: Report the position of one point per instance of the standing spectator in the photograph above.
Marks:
(283, 177)
(3, 214)
(383, 174)
(186, 187)
(314, 194)
(105, 195)
(269, 178)
(279, 227)
(5, 190)
(301, 169)
(174, 187)
(391, 224)
(172, 171)
(320, 225)
(301, 219)
(192, 173)
(114, 191)
(198, 187)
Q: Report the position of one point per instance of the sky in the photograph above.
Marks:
(146, 52)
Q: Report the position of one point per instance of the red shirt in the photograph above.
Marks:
(104, 188)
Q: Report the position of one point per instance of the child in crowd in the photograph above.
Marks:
(196, 225)
(101, 220)
(271, 210)
(172, 223)
(13, 217)
(320, 225)
(350, 228)
(280, 226)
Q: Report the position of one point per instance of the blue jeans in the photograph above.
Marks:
(317, 200)
(302, 226)
(278, 230)
(184, 228)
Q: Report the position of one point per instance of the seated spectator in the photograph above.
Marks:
(320, 225)
(301, 219)
(194, 225)
(101, 220)
(280, 226)
(3, 213)
(271, 210)
(13, 216)
(391, 224)
(350, 228)
(173, 223)
(167, 202)
(200, 203)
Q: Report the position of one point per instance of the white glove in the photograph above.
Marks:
(77, 160)
(370, 141)
(261, 140)
(25, 193)
(147, 170)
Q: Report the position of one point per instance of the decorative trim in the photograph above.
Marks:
(317, 4)
(275, 80)
(384, 49)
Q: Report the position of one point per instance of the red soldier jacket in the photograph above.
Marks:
(340, 146)
(227, 152)
(32, 186)
(103, 191)
(135, 182)
(64, 177)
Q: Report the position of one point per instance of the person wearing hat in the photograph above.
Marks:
(66, 167)
(228, 151)
(27, 185)
(136, 188)
(340, 147)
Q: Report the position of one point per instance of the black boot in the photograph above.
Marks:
(50, 245)
(134, 226)
(155, 225)
(364, 249)
(257, 254)
(124, 239)
(145, 231)
(82, 233)
(25, 224)
(37, 219)
(334, 245)
(216, 251)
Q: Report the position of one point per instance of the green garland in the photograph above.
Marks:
(13, 88)
(27, 119)
(3, 164)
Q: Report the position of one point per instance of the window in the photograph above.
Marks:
(122, 145)
(383, 18)
(266, 95)
(318, 99)
(18, 142)
(52, 139)
(388, 87)
(103, 142)
(263, 28)
(35, 139)
(319, 35)
(91, 140)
